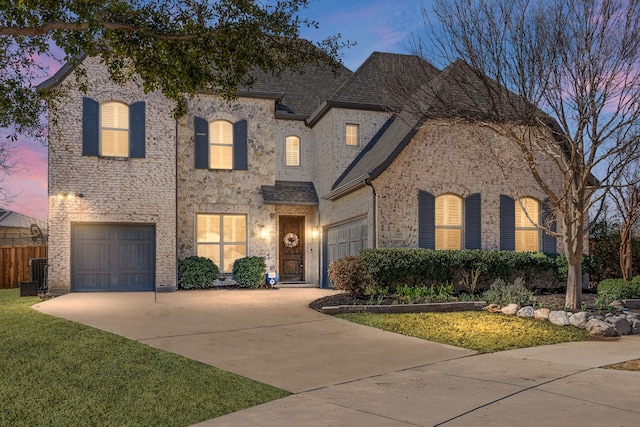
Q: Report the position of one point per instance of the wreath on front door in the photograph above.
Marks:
(291, 240)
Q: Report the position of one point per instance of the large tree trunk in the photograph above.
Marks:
(625, 252)
(573, 247)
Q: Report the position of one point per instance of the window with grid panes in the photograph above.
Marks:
(222, 238)
(527, 234)
(448, 226)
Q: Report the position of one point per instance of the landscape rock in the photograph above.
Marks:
(600, 327)
(620, 323)
(526, 312)
(541, 314)
(511, 309)
(579, 320)
(493, 308)
(635, 326)
(559, 318)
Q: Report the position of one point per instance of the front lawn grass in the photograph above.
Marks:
(58, 373)
(475, 330)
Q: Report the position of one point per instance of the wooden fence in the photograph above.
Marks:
(14, 263)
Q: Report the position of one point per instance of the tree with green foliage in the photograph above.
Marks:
(575, 68)
(178, 47)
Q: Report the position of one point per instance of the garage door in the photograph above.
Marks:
(112, 257)
(345, 240)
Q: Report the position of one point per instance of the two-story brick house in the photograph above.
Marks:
(300, 169)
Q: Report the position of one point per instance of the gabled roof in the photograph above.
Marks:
(290, 193)
(456, 91)
(10, 219)
(381, 83)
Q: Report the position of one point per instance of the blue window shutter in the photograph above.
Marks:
(201, 142)
(426, 220)
(507, 223)
(137, 135)
(548, 220)
(240, 146)
(472, 222)
(90, 126)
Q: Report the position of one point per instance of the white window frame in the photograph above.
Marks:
(117, 129)
(287, 151)
(215, 142)
(527, 217)
(445, 226)
(352, 140)
(221, 243)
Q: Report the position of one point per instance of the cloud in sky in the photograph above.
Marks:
(27, 181)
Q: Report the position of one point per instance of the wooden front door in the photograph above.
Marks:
(291, 251)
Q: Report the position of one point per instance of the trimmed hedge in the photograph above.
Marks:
(394, 267)
(249, 272)
(196, 272)
(616, 289)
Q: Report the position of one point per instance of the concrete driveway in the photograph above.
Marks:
(345, 374)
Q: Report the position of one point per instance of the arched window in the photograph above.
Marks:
(292, 151)
(114, 129)
(448, 222)
(527, 235)
(220, 145)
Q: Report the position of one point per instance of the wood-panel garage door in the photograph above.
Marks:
(112, 257)
(345, 239)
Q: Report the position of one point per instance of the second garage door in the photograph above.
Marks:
(343, 240)
(112, 257)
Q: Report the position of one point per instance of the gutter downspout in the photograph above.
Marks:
(176, 207)
(375, 211)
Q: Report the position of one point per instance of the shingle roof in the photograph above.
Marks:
(384, 79)
(303, 91)
(455, 91)
(290, 193)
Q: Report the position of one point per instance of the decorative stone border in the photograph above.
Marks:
(407, 308)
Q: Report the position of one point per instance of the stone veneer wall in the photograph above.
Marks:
(114, 190)
(228, 191)
(307, 169)
(449, 157)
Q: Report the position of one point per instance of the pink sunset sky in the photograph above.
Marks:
(375, 25)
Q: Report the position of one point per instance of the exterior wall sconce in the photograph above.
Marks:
(68, 196)
(314, 232)
(263, 232)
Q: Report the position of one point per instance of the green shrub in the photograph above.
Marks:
(393, 267)
(503, 293)
(349, 274)
(615, 289)
(196, 272)
(249, 272)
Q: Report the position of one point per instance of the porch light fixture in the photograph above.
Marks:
(263, 232)
(314, 232)
(68, 196)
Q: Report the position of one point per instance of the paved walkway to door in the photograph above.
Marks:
(344, 374)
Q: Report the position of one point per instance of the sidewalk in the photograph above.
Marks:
(344, 374)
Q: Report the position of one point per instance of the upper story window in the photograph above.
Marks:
(527, 210)
(220, 145)
(113, 129)
(292, 151)
(352, 136)
(448, 222)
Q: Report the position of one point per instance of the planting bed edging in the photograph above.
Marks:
(407, 308)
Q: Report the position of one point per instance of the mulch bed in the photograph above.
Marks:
(552, 301)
